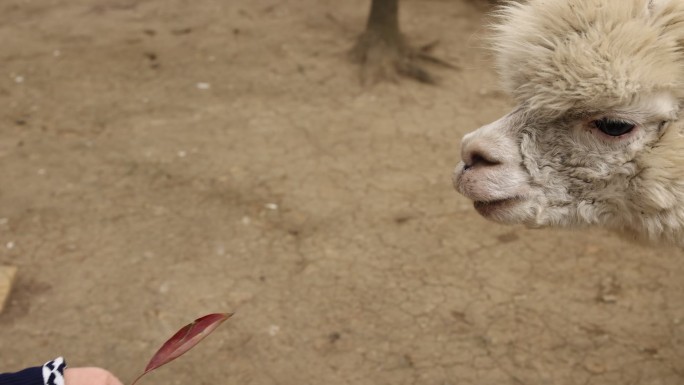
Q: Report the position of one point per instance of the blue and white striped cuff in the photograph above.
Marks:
(53, 371)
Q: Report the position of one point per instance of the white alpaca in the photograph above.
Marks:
(596, 137)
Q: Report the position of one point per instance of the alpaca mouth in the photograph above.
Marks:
(487, 208)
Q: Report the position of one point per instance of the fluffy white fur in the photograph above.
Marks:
(557, 55)
(568, 63)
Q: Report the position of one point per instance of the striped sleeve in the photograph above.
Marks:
(51, 373)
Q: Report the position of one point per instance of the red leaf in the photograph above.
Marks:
(184, 339)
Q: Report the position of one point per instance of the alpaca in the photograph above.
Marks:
(596, 138)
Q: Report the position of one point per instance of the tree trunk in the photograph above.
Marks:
(382, 52)
(384, 19)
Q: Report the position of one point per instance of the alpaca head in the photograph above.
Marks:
(596, 136)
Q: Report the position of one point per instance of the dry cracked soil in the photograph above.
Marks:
(163, 159)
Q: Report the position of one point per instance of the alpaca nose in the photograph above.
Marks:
(476, 153)
(477, 159)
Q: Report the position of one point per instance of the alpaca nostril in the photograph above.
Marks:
(478, 159)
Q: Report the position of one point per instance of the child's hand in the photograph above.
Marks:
(89, 376)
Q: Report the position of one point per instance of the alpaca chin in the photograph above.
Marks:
(509, 211)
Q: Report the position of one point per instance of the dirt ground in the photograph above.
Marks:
(164, 159)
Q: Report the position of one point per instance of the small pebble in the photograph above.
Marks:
(19, 79)
(182, 154)
(273, 330)
(10, 245)
(220, 250)
(271, 206)
(164, 288)
(203, 86)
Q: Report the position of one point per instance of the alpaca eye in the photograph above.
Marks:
(613, 127)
